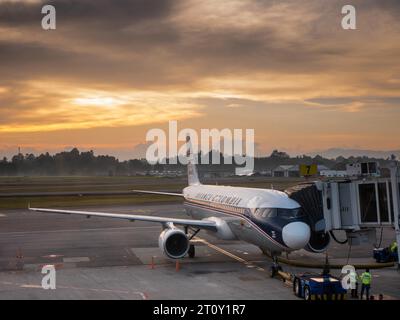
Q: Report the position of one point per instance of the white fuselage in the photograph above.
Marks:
(238, 212)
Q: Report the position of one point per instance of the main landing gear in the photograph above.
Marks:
(192, 249)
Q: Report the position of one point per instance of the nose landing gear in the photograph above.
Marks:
(275, 268)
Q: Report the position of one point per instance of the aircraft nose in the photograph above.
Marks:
(296, 235)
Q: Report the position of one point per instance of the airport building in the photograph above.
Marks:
(293, 170)
(333, 173)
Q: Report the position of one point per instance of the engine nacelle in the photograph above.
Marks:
(319, 241)
(174, 243)
(224, 232)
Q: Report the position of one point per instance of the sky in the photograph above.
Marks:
(112, 70)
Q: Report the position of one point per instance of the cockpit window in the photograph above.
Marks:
(263, 213)
(288, 213)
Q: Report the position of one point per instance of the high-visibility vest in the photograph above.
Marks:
(393, 247)
(366, 278)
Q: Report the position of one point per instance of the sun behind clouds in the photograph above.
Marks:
(110, 72)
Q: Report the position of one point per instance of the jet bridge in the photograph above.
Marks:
(357, 205)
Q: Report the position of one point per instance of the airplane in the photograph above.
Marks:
(266, 218)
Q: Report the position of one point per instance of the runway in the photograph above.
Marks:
(111, 259)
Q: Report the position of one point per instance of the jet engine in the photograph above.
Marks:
(319, 241)
(174, 243)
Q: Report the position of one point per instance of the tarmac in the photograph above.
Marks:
(101, 258)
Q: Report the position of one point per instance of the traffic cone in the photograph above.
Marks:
(19, 254)
(152, 266)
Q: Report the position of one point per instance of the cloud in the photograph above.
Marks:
(199, 45)
(71, 108)
(139, 62)
(126, 11)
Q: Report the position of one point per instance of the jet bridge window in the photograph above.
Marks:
(383, 202)
(391, 202)
(392, 195)
(368, 203)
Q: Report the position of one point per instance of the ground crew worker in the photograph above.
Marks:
(393, 247)
(366, 278)
(354, 280)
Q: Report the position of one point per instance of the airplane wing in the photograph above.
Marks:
(202, 224)
(159, 192)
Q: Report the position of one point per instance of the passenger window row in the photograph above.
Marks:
(220, 206)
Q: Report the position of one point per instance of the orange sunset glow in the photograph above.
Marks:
(112, 70)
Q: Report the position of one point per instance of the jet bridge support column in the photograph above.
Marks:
(394, 175)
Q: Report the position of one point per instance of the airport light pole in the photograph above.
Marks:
(394, 177)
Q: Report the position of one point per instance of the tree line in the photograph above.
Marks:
(75, 163)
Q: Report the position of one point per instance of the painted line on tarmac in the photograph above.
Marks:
(228, 254)
(76, 259)
(143, 295)
(53, 256)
